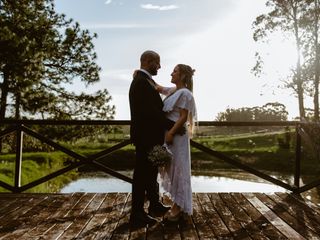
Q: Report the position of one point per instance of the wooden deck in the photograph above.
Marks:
(105, 216)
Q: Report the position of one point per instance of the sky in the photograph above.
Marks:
(212, 36)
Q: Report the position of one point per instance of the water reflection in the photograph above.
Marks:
(199, 184)
(222, 184)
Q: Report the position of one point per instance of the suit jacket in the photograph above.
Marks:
(147, 118)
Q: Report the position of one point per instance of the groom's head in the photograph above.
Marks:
(150, 61)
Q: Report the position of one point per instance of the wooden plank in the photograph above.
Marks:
(52, 215)
(226, 215)
(106, 216)
(4, 203)
(10, 196)
(303, 214)
(27, 221)
(141, 233)
(283, 227)
(113, 209)
(266, 228)
(187, 229)
(200, 223)
(71, 214)
(165, 231)
(241, 216)
(155, 232)
(99, 218)
(15, 203)
(184, 226)
(57, 214)
(83, 218)
(307, 205)
(122, 231)
(315, 207)
(295, 223)
(4, 207)
(22, 207)
(212, 218)
(171, 231)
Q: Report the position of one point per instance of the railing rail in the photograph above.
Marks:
(20, 127)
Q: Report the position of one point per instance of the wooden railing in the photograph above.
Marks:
(20, 127)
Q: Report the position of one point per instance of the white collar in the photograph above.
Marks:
(146, 72)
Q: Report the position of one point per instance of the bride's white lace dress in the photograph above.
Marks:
(176, 178)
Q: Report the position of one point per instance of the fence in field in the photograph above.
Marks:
(21, 127)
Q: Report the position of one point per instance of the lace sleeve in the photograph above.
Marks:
(182, 98)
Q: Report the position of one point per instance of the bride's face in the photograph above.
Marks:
(175, 75)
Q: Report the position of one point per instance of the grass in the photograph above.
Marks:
(260, 151)
(35, 166)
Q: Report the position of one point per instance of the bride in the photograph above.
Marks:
(179, 106)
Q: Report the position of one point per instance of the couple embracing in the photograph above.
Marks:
(155, 122)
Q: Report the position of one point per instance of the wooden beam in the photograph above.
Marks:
(6, 186)
(49, 176)
(307, 187)
(241, 166)
(53, 144)
(7, 131)
(109, 150)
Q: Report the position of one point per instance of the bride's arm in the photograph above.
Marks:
(165, 90)
(161, 89)
(177, 126)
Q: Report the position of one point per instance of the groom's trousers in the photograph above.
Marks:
(144, 180)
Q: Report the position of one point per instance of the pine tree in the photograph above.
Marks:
(41, 52)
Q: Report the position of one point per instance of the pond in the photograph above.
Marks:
(211, 181)
(200, 183)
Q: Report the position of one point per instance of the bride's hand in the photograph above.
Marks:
(135, 73)
(169, 138)
(159, 88)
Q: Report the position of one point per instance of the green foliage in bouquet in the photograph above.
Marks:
(160, 156)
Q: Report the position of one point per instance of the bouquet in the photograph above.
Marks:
(160, 155)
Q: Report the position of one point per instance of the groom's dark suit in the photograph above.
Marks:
(147, 130)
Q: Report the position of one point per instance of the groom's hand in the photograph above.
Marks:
(169, 124)
(168, 138)
(181, 131)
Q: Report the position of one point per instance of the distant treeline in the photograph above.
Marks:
(268, 112)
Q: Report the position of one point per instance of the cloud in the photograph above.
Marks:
(108, 2)
(157, 7)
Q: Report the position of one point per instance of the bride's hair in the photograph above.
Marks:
(187, 72)
(187, 77)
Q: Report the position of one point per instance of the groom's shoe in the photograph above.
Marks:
(140, 220)
(158, 209)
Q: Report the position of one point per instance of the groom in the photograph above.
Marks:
(147, 128)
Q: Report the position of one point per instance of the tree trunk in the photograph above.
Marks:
(17, 105)
(316, 89)
(316, 66)
(298, 67)
(300, 94)
(3, 100)
(4, 94)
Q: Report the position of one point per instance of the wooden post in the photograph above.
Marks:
(19, 146)
(297, 168)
